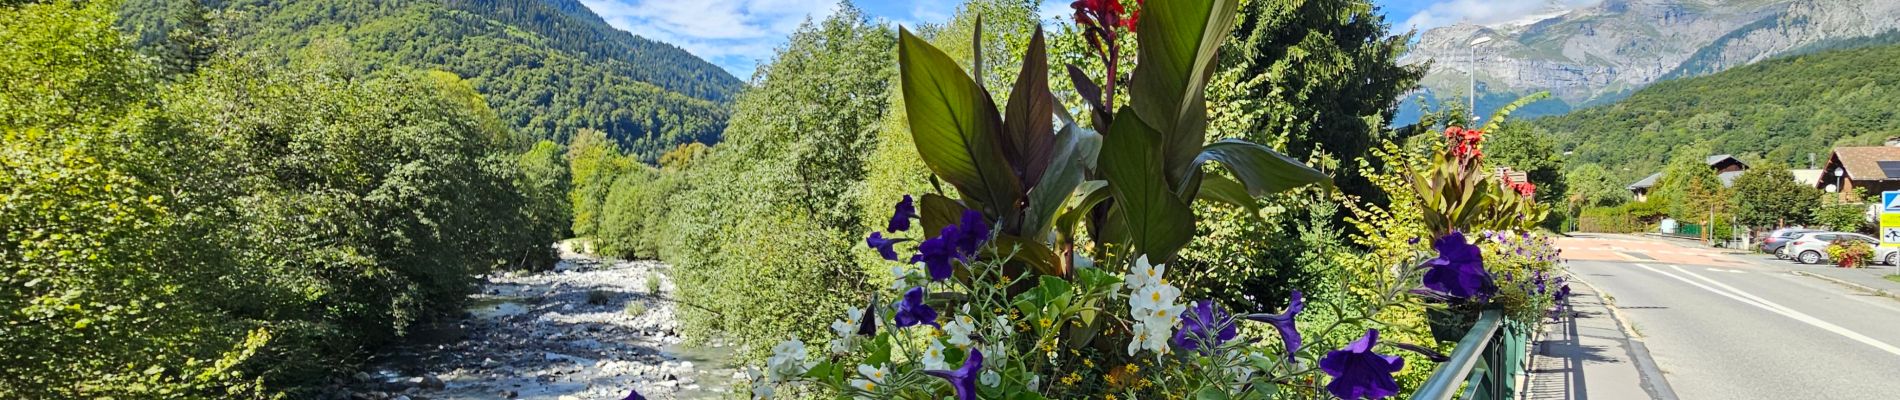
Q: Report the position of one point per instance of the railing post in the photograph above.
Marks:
(1467, 357)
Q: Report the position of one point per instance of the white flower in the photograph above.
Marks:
(990, 378)
(761, 388)
(1143, 274)
(873, 372)
(1035, 383)
(866, 386)
(1153, 303)
(787, 360)
(933, 357)
(960, 328)
(900, 278)
(847, 331)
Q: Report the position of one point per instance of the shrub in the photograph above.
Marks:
(653, 283)
(636, 308)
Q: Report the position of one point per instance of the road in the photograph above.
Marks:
(1733, 326)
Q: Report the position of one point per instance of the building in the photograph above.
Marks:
(1875, 169)
(1726, 167)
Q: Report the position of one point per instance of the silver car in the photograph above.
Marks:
(1811, 247)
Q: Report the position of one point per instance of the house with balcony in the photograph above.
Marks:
(1874, 168)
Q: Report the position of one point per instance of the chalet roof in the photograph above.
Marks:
(1863, 163)
(1646, 182)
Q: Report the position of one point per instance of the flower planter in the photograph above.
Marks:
(1450, 325)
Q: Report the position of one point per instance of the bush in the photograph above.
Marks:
(245, 232)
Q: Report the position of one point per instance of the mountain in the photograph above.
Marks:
(548, 67)
(1598, 54)
(1781, 110)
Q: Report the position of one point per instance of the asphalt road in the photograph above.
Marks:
(1752, 330)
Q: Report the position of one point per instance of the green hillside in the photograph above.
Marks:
(548, 67)
(1780, 109)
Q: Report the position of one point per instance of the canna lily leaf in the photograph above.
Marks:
(1261, 169)
(937, 211)
(1157, 221)
(1220, 189)
(955, 125)
(1073, 153)
(1178, 42)
(1028, 126)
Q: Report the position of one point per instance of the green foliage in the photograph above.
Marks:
(551, 68)
(1838, 215)
(1768, 196)
(1312, 77)
(246, 231)
(1690, 189)
(764, 229)
(594, 163)
(1525, 148)
(1591, 186)
(1777, 110)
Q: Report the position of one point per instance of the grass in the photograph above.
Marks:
(653, 283)
(1895, 278)
(636, 308)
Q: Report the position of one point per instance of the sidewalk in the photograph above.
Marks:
(1871, 277)
(1586, 353)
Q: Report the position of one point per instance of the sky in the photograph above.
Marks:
(739, 34)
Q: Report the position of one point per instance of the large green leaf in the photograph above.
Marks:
(1074, 153)
(1261, 169)
(1158, 222)
(1028, 252)
(955, 125)
(1220, 189)
(1028, 126)
(935, 211)
(1178, 41)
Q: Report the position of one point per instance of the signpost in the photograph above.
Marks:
(1890, 219)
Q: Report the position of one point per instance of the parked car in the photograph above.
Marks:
(1887, 255)
(1777, 242)
(1811, 247)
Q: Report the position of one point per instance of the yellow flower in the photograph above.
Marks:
(1045, 322)
(1110, 396)
(1133, 369)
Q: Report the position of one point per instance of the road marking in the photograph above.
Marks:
(1758, 302)
(1735, 271)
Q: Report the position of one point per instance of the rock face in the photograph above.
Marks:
(1600, 52)
(589, 329)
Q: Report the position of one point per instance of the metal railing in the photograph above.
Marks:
(1488, 357)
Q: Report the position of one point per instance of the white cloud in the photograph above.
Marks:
(735, 34)
(1487, 12)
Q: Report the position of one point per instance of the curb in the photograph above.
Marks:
(1843, 282)
(1653, 380)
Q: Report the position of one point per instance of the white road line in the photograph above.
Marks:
(1758, 302)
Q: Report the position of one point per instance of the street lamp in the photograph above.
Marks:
(1473, 45)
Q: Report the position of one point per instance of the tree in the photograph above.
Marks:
(1312, 77)
(1591, 186)
(1768, 196)
(1528, 149)
(1688, 188)
(191, 42)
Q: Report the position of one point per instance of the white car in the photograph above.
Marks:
(1887, 255)
(1811, 247)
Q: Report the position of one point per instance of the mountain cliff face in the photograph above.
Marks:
(1600, 53)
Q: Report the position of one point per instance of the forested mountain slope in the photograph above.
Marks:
(549, 67)
(1775, 110)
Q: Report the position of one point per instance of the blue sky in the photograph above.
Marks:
(739, 34)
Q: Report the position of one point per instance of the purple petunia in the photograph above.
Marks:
(911, 310)
(867, 323)
(1459, 269)
(900, 218)
(1284, 322)
(1205, 323)
(635, 396)
(936, 254)
(972, 232)
(1359, 373)
(885, 247)
(963, 379)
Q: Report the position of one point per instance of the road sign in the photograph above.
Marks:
(1889, 225)
(1890, 201)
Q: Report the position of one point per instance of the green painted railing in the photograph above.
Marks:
(1485, 364)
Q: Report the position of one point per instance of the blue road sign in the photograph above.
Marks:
(1890, 201)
